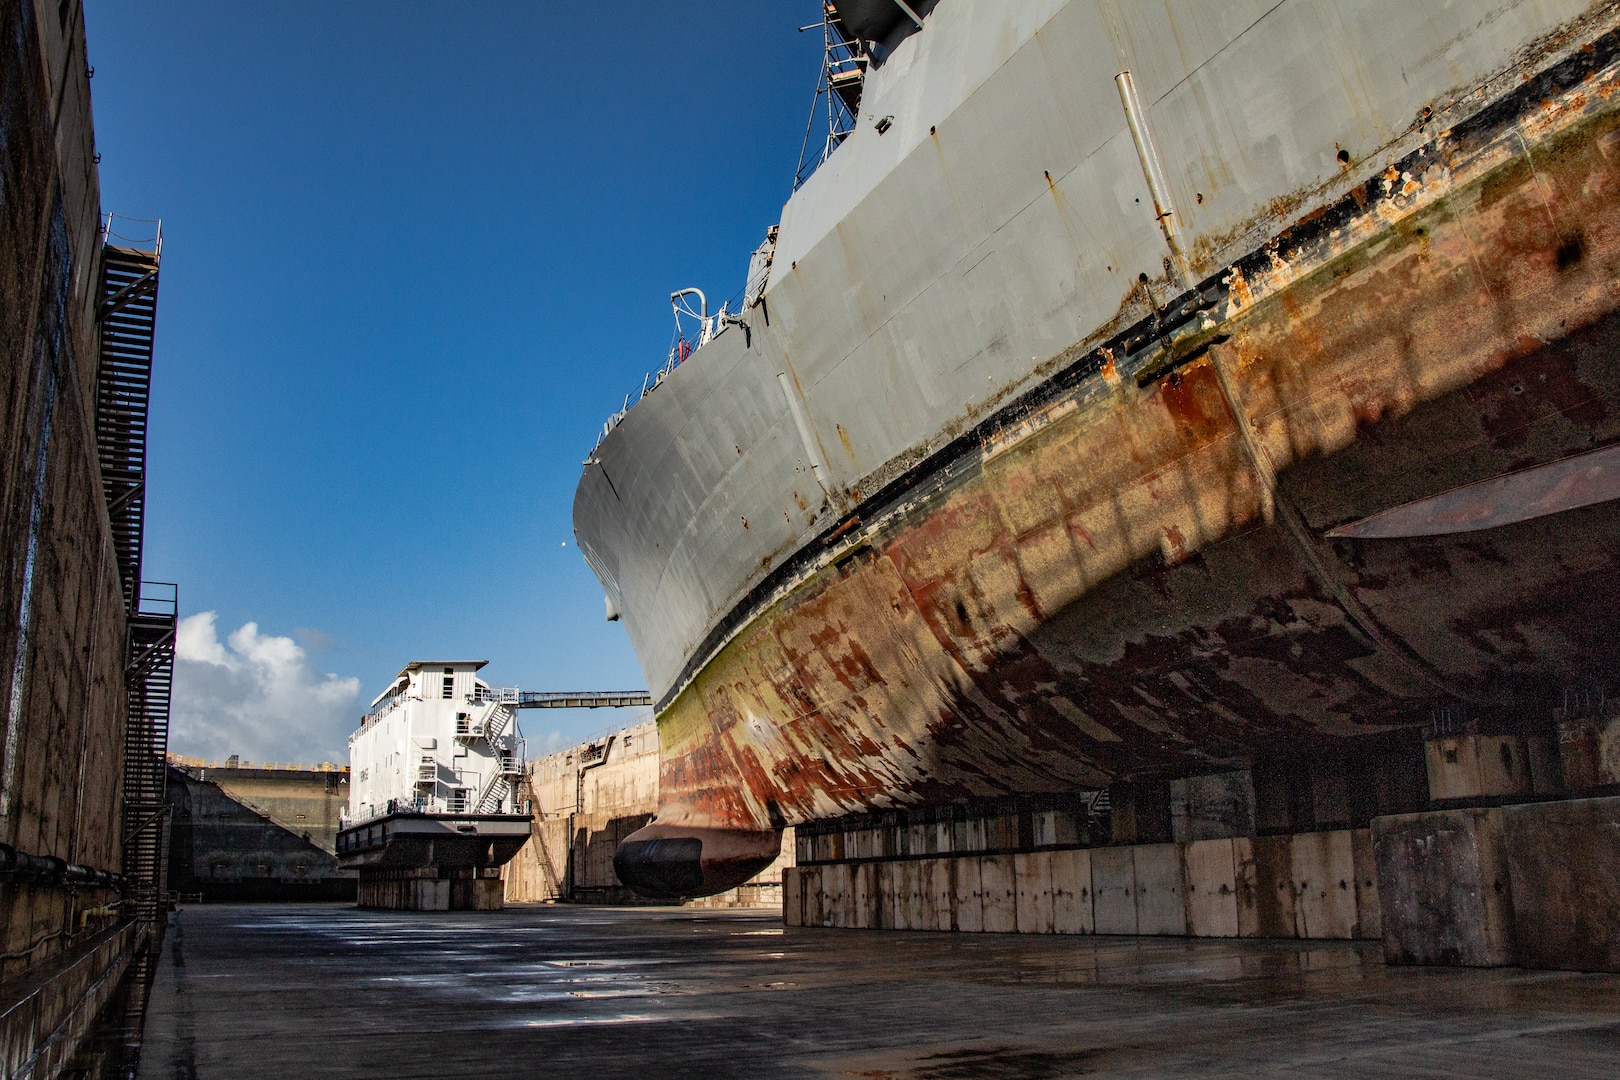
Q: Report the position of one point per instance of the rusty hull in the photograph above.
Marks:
(1119, 581)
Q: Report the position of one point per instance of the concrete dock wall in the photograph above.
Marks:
(61, 615)
(588, 798)
(1309, 885)
(62, 625)
(241, 833)
(41, 1024)
(431, 889)
(1532, 884)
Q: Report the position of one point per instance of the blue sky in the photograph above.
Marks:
(414, 255)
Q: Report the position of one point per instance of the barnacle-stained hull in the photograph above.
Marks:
(1121, 567)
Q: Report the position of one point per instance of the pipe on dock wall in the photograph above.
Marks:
(19, 866)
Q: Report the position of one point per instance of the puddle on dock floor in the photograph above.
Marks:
(329, 991)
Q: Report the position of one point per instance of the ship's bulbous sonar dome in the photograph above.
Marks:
(672, 862)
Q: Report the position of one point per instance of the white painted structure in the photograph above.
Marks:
(439, 740)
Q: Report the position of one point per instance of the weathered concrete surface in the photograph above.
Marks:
(247, 992)
(1589, 746)
(62, 706)
(1444, 888)
(43, 1016)
(586, 799)
(1211, 889)
(429, 889)
(1564, 861)
(304, 801)
(256, 834)
(62, 627)
(1471, 766)
(1309, 885)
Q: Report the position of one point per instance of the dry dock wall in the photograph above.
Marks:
(246, 833)
(588, 798)
(1512, 858)
(1308, 885)
(61, 613)
(1531, 884)
(62, 627)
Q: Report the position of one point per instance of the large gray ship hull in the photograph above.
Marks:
(985, 499)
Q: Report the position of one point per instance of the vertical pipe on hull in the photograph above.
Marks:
(818, 468)
(1136, 118)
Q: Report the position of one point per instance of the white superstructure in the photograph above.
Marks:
(439, 740)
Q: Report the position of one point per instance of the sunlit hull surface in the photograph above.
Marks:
(1046, 525)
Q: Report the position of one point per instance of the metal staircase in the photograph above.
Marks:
(128, 313)
(494, 723)
(149, 682)
(127, 317)
(508, 767)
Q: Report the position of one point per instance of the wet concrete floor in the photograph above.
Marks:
(329, 991)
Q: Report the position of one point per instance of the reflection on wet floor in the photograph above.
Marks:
(261, 991)
(111, 1049)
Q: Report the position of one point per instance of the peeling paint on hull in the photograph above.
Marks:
(1097, 593)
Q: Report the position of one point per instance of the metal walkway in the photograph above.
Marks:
(599, 699)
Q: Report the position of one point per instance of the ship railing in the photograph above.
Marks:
(500, 695)
(683, 348)
(419, 805)
(383, 709)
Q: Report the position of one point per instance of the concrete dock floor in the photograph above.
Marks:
(329, 991)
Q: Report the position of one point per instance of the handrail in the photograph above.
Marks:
(155, 241)
(185, 762)
(583, 699)
(383, 709)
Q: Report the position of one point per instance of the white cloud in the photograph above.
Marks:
(256, 695)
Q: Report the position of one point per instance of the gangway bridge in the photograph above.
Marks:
(569, 699)
(603, 699)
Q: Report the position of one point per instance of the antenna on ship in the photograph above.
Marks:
(838, 92)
